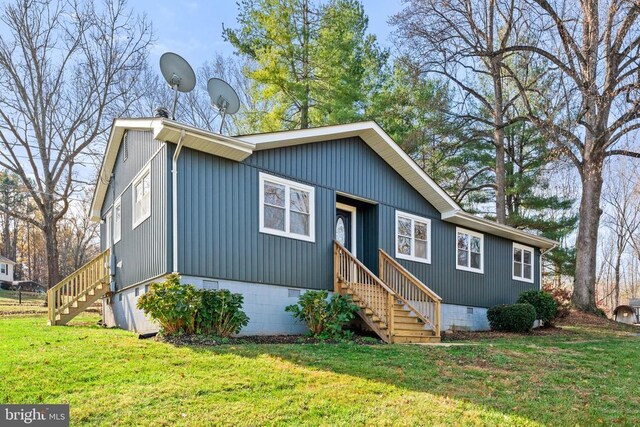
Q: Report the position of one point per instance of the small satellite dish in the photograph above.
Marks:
(179, 74)
(223, 97)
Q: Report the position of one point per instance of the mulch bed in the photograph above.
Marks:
(203, 340)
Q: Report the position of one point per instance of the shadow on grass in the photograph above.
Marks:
(550, 380)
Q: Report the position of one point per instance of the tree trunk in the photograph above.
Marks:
(306, 75)
(498, 136)
(50, 232)
(584, 296)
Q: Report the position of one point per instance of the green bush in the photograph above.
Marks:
(220, 313)
(172, 305)
(512, 317)
(546, 307)
(324, 319)
(183, 309)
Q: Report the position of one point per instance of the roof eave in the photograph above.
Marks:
(466, 219)
(164, 130)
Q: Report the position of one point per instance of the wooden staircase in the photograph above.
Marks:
(78, 291)
(397, 306)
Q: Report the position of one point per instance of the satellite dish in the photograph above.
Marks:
(223, 97)
(179, 74)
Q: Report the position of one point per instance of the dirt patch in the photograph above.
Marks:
(203, 340)
(579, 318)
(490, 335)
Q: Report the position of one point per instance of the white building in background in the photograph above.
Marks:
(6, 269)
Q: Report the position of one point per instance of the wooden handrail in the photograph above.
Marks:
(414, 294)
(77, 285)
(372, 291)
(409, 275)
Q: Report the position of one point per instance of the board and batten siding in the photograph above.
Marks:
(218, 223)
(142, 253)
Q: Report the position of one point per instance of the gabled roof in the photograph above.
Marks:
(168, 131)
(5, 260)
(240, 147)
(376, 138)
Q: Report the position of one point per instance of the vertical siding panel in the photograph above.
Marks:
(222, 207)
(141, 252)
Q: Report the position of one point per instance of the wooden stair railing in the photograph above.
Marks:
(79, 290)
(414, 294)
(376, 297)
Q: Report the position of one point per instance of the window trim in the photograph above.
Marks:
(513, 267)
(117, 231)
(108, 220)
(413, 218)
(4, 269)
(469, 268)
(138, 178)
(288, 184)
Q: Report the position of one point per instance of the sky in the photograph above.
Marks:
(193, 29)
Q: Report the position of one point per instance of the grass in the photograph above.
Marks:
(110, 377)
(32, 303)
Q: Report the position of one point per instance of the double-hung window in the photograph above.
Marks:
(4, 268)
(141, 191)
(117, 220)
(522, 263)
(413, 237)
(469, 251)
(286, 208)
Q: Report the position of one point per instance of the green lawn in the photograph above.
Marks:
(32, 303)
(110, 377)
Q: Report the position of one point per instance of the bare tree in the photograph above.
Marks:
(72, 67)
(195, 107)
(464, 41)
(592, 48)
(622, 219)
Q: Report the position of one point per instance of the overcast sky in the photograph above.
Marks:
(193, 29)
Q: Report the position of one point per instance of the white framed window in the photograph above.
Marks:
(4, 268)
(287, 208)
(413, 237)
(141, 197)
(107, 228)
(469, 250)
(117, 220)
(523, 263)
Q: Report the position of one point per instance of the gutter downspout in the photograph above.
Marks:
(541, 255)
(174, 202)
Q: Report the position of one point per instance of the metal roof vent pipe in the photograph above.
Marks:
(162, 112)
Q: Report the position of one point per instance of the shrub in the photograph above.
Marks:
(512, 317)
(172, 305)
(324, 319)
(220, 313)
(562, 297)
(543, 302)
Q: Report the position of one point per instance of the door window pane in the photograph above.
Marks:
(340, 232)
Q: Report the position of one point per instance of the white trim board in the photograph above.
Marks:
(470, 233)
(354, 225)
(288, 185)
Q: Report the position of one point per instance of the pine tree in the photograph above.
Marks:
(314, 62)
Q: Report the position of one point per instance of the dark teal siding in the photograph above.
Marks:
(143, 251)
(218, 223)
